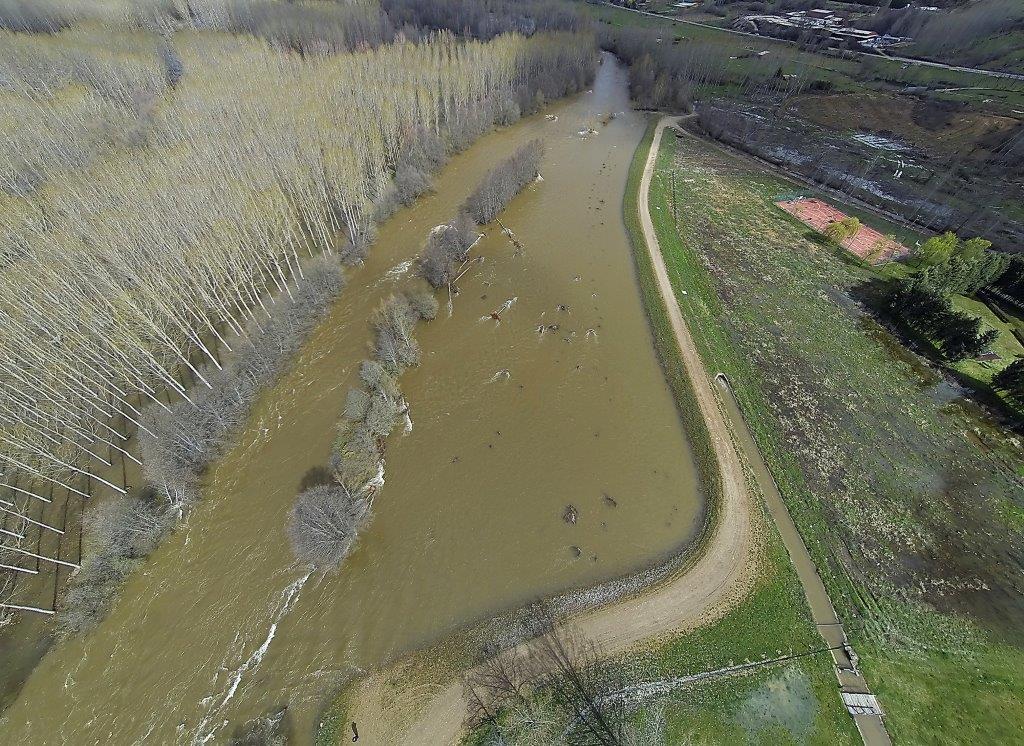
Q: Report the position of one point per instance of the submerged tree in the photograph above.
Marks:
(447, 249)
(324, 524)
(504, 182)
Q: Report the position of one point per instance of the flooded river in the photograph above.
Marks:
(510, 426)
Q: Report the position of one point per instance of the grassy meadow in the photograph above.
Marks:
(915, 529)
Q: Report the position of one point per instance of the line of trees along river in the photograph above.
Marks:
(172, 225)
(223, 618)
(128, 265)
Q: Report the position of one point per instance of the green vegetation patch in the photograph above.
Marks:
(906, 519)
(772, 622)
(772, 705)
(950, 698)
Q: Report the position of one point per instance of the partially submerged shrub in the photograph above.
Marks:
(423, 303)
(120, 534)
(382, 415)
(93, 592)
(358, 238)
(395, 347)
(356, 404)
(356, 457)
(447, 247)
(326, 519)
(507, 112)
(324, 524)
(410, 183)
(187, 437)
(128, 527)
(504, 182)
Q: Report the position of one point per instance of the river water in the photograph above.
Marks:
(510, 427)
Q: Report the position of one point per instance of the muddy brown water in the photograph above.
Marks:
(221, 625)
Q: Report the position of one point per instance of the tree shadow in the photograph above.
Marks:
(315, 477)
(843, 255)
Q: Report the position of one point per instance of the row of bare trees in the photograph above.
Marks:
(446, 252)
(325, 522)
(504, 182)
(135, 266)
(109, 290)
(326, 519)
(485, 19)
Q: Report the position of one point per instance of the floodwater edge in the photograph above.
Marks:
(444, 660)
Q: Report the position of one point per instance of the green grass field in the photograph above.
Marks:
(1006, 345)
(862, 450)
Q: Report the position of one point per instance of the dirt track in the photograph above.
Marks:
(712, 584)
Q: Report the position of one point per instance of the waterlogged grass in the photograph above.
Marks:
(971, 698)
(400, 687)
(777, 704)
(905, 518)
(796, 701)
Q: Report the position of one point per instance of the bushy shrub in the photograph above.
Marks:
(356, 404)
(324, 524)
(394, 346)
(423, 303)
(447, 247)
(357, 242)
(425, 151)
(120, 534)
(507, 112)
(504, 182)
